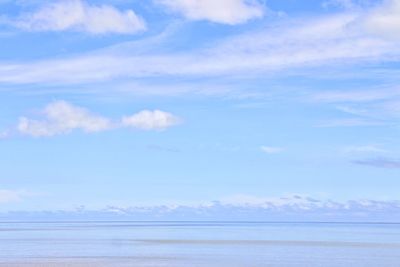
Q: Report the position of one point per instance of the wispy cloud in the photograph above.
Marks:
(364, 149)
(223, 11)
(61, 117)
(380, 163)
(357, 96)
(4, 134)
(163, 148)
(271, 149)
(77, 15)
(350, 122)
(288, 44)
(384, 20)
(372, 107)
(9, 196)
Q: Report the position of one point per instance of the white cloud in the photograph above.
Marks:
(77, 15)
(221, 11)
(271, 150)
(385, 20)
(61, 117)
(151, 120)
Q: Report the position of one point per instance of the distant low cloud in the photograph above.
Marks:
(271, 149)
(76, 15)
(151, 120)
(222, 11)
(300, 201)
(61, 117)
(380, 163)
(291, 208)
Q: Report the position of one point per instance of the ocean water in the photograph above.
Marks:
(247, 244)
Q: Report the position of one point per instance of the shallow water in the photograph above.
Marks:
(199, 244)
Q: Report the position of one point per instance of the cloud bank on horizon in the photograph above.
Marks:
(238, 208)
(270, 97)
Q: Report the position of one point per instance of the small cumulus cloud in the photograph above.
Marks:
(77, 15)
(61, 117)
(271, 149)
(222, 11)
(151, 120)
(386, 163)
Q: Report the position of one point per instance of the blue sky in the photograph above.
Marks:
(129, 102)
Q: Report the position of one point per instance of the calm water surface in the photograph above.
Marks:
(199, 244)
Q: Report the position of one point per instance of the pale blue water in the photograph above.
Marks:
(201, 244)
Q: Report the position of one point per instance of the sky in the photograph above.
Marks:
(183, 102)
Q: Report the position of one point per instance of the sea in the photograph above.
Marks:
(219, 244)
